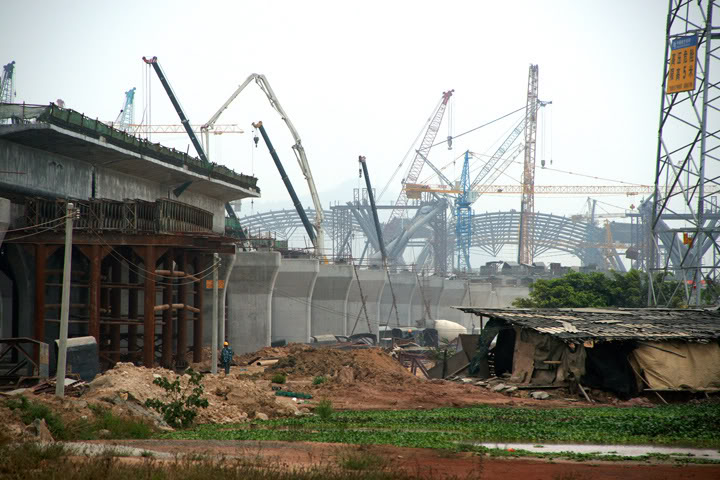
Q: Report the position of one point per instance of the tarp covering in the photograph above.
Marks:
(679, 365)
(544, 360)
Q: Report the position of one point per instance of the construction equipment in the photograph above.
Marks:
(147, 129)
(463, 217)
(186, 123)
(490, 189)
(527, 204)
(126, 117)
(298, 148)
(378, 230)
(7, 84)
(288, 184)
(418, 162)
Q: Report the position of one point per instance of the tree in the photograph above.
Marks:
(597, 290)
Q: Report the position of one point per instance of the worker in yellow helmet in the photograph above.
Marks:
(226, 356)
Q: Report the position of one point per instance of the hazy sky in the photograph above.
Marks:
(362, 78)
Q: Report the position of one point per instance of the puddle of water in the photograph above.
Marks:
(621, 450)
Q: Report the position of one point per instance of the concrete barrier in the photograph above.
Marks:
(429, 289)
(291, 299)
(453, 294)
(329, 300)
(250, 300)
(373, 283)
(403, 284)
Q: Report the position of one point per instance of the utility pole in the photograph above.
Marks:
(65, 304)
(215, 318)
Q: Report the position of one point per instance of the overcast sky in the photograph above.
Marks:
(362, 79)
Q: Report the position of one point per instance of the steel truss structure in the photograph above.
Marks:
(490, 233)
(684, 244)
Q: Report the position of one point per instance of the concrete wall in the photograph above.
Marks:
(430, 288)
(4, 217)
(329, 300)
(454, 294)
(292, 299)
(250, 300)
(372, 284)
(506, 295)
(403, 285)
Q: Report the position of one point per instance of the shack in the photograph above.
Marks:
(625, 351)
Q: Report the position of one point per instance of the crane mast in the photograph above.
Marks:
(527, 205)
(420, 155)
(127, 115)
(298, 148)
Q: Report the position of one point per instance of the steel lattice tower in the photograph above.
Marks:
(684, 222)
(527, 205)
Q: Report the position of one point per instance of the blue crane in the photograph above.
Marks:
(126, 117)
(463, 217)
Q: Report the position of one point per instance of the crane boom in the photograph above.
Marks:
(298, 148)
(420, 156)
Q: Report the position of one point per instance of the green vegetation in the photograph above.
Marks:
(182, 408)
(360, 458)
(324, 409)
(319, 380)
(582, 290)
(279, 378)
(447, 428)
(81, 429)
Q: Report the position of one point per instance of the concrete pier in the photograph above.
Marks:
(4, 217)
(454, 294)
(373, 283)
(250, 300)
(329, 300)
(404, 285)
(292, 299)
(429, 288)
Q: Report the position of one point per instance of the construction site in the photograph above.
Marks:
(134, 250)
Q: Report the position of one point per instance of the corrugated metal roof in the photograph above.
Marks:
(580, 324)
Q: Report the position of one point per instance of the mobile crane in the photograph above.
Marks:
(262, 82)
(188, 128)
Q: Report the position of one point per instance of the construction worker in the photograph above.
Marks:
(226, 356)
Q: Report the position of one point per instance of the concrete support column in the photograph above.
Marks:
(372, 283)
(167, 328)
(149, 308)
(329, 300)
(40, 277)
(453, 295)
(132, 311)
(115, 308)
(292, 298)
(4, 217)
(199, 264)
(429, 288)
(227, 263)
(404, 285)
(250, 300)
(183, 289)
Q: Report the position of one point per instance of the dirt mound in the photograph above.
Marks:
(231, 398)
(346, 366)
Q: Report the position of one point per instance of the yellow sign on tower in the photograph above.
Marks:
(681, 74)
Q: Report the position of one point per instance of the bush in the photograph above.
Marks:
(324, 409)
(29, 411)
(181, 410)
(279, 378)
(319, 380)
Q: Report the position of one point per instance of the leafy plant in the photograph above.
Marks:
(279, 378)
(319, 380)
(181, 409)
(324, 409)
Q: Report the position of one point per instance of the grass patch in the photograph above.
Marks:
(29, 411)
(686, 425)
(120, 427)
(319, 380)
(278, 378)
(360, 459)
(324, 409)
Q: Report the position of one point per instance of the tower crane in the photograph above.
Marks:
(527, 204)
(126, 117)
(7, 84)
(419, 159)
(463, 222)
(298, 148)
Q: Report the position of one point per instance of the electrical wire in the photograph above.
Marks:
(478, 128)
(594, 177)
(57, 220)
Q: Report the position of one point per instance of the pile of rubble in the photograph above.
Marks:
(503, 385)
